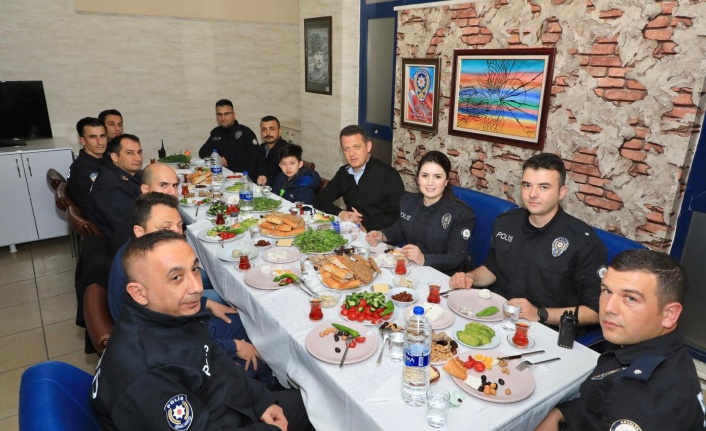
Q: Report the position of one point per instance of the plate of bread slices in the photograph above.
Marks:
(348, 271)
(281, 225)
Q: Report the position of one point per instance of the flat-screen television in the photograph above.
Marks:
(23, 112)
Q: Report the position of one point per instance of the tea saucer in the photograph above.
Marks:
(528, 346)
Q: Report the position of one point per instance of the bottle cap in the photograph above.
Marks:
(418, 310)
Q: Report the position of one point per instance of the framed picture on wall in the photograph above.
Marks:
(502, 95)
(317, 55)
(420, 94)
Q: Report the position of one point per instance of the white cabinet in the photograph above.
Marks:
(28, 212)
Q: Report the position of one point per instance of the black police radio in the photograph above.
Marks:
(569, 324)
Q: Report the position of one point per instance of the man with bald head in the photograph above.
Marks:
(161, 370)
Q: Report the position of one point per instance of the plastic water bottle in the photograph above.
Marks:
(246, 189)
(417, 354)
(339, 226)
(216, 174)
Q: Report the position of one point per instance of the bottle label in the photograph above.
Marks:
(216, 170)
(411, 360)
(246, 195)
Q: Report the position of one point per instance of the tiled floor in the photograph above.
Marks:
(37, 311)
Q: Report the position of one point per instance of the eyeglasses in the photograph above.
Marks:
(224, 114)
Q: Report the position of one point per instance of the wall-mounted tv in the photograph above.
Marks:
(23, 112)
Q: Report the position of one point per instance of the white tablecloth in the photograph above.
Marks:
(366, 397)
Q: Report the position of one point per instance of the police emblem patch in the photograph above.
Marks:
(238, 134)
(601, 272)
(625, 425)
(446, 221)
(422, 82)
(559, 245)
(466, 233)
(179, 413)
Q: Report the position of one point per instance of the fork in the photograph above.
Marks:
(525, 364)
(349, 340)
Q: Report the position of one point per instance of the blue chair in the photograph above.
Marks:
(55, 396)
(614, 244)
(486, 208)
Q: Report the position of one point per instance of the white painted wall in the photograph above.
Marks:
(163, 74)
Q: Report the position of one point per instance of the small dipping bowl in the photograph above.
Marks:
(329, 299)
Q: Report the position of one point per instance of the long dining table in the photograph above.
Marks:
(363, 396)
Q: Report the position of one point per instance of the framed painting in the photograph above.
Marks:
(502, 95)
(317, 55)
(420, 94)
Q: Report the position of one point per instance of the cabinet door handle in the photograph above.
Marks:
(19, 174)
(29, 166)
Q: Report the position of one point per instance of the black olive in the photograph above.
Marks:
(486, 383)
(338, 350)
(501, 381)
(454, 345)
(340, 333)
(483, 378)
(336, 337)
(480, 388)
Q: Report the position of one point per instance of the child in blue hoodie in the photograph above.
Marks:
(295, 183)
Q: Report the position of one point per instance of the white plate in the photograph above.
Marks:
(226, 254)
(324, 348)
(494, 342)
(521, 383)
(255, 278)
(469, 298)
(203, 237)
(289, 254)
(446, 320)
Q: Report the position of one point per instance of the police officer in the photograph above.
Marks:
(235, 143)
(540, 256)
(435, 225)
(117, 185)
(161, 369)
(650, 382)
(85, 168)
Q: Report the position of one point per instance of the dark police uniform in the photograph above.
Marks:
(441, 231)
(648, 386)
(112, 198)
(162, 372)
(269, 162)
(376, 196)
(82, 173)
(546, 265)
(238, 144)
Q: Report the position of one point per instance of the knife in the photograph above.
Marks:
(521, 355)
(445, 293)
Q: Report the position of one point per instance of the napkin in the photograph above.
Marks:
(200, 225)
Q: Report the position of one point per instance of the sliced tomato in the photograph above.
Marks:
(369, 318)
(360, 340)
(375, 321)
(362, 303)
(352, 345)
(468, 365)
(344, 312)
(360, 318)
(479, 366)
(387, 317)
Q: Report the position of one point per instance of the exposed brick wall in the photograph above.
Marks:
(624, 108)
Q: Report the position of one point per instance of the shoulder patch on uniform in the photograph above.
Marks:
(238, 134)
(179, 412)
(643, 367)
(559, 245)
(625, 425)
(466, 233)
(446, 221)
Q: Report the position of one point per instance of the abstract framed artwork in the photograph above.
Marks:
(420, 98)
(502, 95)
(317, 55)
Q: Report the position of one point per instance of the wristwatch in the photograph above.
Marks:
(543, 314)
